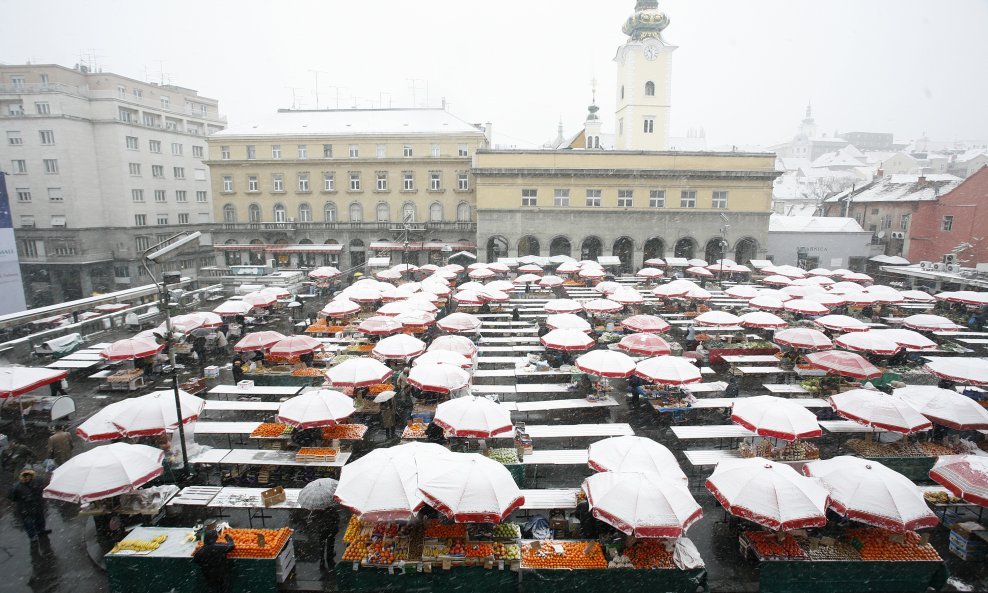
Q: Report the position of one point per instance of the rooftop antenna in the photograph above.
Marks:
(316, 74)
(337, 90)
(415, 85)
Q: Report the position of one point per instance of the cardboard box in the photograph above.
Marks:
(211, 372)
(245, 384)
(273, 496)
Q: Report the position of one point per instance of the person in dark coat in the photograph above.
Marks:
(237, 366)
(635, 384)
(16, 456)
(732, 389)
(212, 560)
(388, 418)
(29, 504)
(307, 359)
(434, 434)
(327, 525)
(515, 315)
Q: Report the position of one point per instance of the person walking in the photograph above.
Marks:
(60, 446)
(328, 525)
(29, 504)
(199, 347)
(388, 418)
(212, 560)
(16, 456)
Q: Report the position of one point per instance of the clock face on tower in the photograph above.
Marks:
(651, 52)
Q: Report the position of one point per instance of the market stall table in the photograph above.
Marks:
(256, 391)
(544, 499)
(750, 359)
(125, 380)
(262, 457)
(712, 387)
(777, 388)
(74, 364)
(703, 457)
(727, 402)
(240, 406)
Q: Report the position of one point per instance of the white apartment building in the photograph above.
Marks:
(100, 167)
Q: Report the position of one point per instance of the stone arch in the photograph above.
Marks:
(383, 212)
(231, 257)
(624, 250)
(560, 246)
(357, 253)
(714, 250)
(356, 212)
(229, 213)
(463, 212)
(408, 212)
(649, 89)
(591, 248)
(329, 212)
(280, 213)
(497, 246)
(435, 212)
(745, 250)
(685, 247)
(528, 245)
(654, 247)
(254, 213)
(304, 212)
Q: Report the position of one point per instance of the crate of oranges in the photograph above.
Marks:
(650, 553)
(354, 529)
(767, 545)
(346, 432)
(356, 551)
(316, 454)
(437, 530)
(256, 543)
(271, 430)
(379, 388)
(562, 555)
(881, 544)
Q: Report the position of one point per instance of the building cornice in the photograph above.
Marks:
(624, 173)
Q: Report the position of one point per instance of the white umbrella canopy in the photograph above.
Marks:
(668, 370)
(415, 318)
(776, 417)
(642, 504)
(820, 272)
(907, 338)
(388, 275)
(917, 296)
(473, 416)
(459, 322)
(436, 288)
(131, 348)
(530, 269)
(394, 308)
(470, 488)
(567, 339)
(380, 325)
(700, 272)
(857, 277)
(634, 454)
(362, 294)
(295, 346)
(803, 337)
(644, 345)
(606, 363)
(673, 289)
(592, 272)
(563, 306)
(789, 271)
(568, 268)
(325, 272)
(826, 299)
(18, 380)
(965, 476)
(627, 296)
(650, 273)
(767, 303)
(468, 298)
(383, 484)
(99, 426)
(489, 294)
(805, 307)
(771, 494)
(777, 280)
(864, 490)
(567, 321)
(340, 308)
(482, 273)
(964, 370)
(717, 319)
(763, 319)
(926, 322)
(155, 413)
(798, 292)
(945, 406)
(846, 364)
(860, 298)
(257, 299)
(742, 291)
(655, 261)
(645, 324)
(879, 410)
(696, 262)
(501, 285)
(774, 293)
(261, 340)
(607, 287)
(398, 347)
(443, 357)
(233, 308)
(438, 377)
(868, 341)
(358, 372)
(598, 306)
(312, 409)
(551, 281)
(842, 323)
(499, 267)
(459, 344)
(105, 471)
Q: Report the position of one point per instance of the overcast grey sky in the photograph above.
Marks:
(744, 70)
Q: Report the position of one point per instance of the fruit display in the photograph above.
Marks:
(353, 529)
(270, 430)
(480, 532)
(139, 545)
(941, 498)
(307, 372)
(877, 544)
(437, 530)
(767, 545)
(796, 451)
(276, 359)
(380, 387)
(434, 550)
(507, 531)
(386, 552)
(650, 553)
(903, 448)
(507, 551)
(562, 554)
(458, 549)
(478, 550)
(811, 385)
(414, 431)
(838, 550)
(505, 455)
(345, 432)
(356, 551)
(247, 544)
(316, 454)
(360, 348)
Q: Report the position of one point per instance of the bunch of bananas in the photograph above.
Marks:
(139, 545)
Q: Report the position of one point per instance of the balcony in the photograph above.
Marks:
(460, 227)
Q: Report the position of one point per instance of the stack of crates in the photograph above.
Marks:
(965, 544)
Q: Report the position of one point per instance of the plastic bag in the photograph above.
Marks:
(537, 527)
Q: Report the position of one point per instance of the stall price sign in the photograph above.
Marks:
(447, 563)
(500, 564)
(427, 567)
(356, 566)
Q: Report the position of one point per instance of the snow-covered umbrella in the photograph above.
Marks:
(325, 273)
(258, 299)
(699, 272)
(964, 370)
(847, 364)
(563, 306)
(591, 272)
(767, 303)
(762, 319)
(672, 289)
(380, 325)
(742, 291)
(945, 406)
(398, 347)
(644, 345)
(358, 372)
(917, 296)
(340, 308)
(387, 275)
(805, 307)
(131, 348)
(599, 306)
(655, 261)
(482, 273)
(415, 318)
(646, 324)
(777, 280)
(443, 357)
(470, 488)
(530, 269)
(820, 272)
(627, 296)
(826, 299)
(907, 338)
(879, 410)
(438, 377)
(318, 494)
(459, 344)
(717, 319)
(927, 322)
(695, 261)
(868, 342)
(501, 285)
(473, 416)
(261, 340)
(668, 370)
(631, 453)
(313, 409)
(606, 363)
(642, 504)
(857, 277)
(804, 338)
(494, 296)
(362, 294)
(229, 308)
(966, 476)
(155, 413)
(459, 322)
(771, 416)
(568, 268)
(295, 346)
(468, 298)
(650, 273)
(105, 471)
(841, 323)
(499, 267)
(550, 281)
(436, 288)
(864, 490)
(99, 426)
(567, 339)
(567, 321)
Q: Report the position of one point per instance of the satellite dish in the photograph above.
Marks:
(881, 234)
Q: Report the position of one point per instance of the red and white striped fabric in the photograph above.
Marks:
(644, 345)
(879, 410)
(966, 476)
(104, 472)
(295, 346)
(358, 372)
(131, 348)
(642, 504)
(470, 488)
(804, 338)
(438, 377)
(606, 363)
(567, 339)
(847, 364)
(646, 324)
(868, 341)
(313, 409)
(771, 416)
(472, 416)
(668, 370)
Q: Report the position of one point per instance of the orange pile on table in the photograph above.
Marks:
(247, 544)
(575, 554)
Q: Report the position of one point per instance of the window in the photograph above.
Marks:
(354, 181)
(529, 197)
(461, 150)
(55, 194)
(23, 194)
(948, 223)
(354, 151)
(280, 213)
(121, 272)
(434, 151)
(649, 126)
(356, 213)
(904, 222)
(134, 168)
(560, 198)
(593, 141)
(42, 108)
(138, 94)
(327, 151)
(155, 146)
(162, 219)
(719, 200)
(197, 151)
(383, 212)
(382, 151)
(329, 212)
(150, 120)
(462, 181)
(179, 172)
(408, 212)
(874, 211)
(593, 198)
(15, 109)
(158, 171)
(251, 152)
(183, 218)
(887, 222)
(649, 89)
(303, 151)
(137, 195)
(463, 212)
(225, 153)
(227, 183)
(17, 81)
(59, 221)
(47, 137)
(143, 243)
(132, 143)
(140, 220)
(254, 213)
(328, 181)
(621, 120)
(201, 197)
(407, 181)
(14, 139)
(657, 198)
(276, 151)
(27, 221)
(160, 195)
(165, 102)
(181, 195)
(303, 182)
(626, 198)
(406, 150)
(252, 183)
(435, 181)
(687, 199)
(304, 213)
(18, 166)
(436, 212)
(278, 181)
(176, 149)
(382, 181)
(51, 166)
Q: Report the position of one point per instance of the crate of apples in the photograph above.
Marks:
(439, 530)
(649, 553)
(507, 551)
(563, 555)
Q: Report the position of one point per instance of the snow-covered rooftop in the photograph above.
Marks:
(903, 188)
(812, 224)
(347, 122)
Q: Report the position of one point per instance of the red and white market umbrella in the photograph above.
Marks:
(907, 338)
(230, 308)
(563, 306)
(776, 417)
(362, 294)
(926, 322)
(826, 299)
(697, 294)
(820, 272)
(131, 348)
(945, 407)
(415, 318)
(383, 484)
(358, 372)
(155, 413)
(295, 346)
(468, 298)
(917, 296)
(459, 344)
(804, 338)
(470, 488)
(105, 471)
(963, 370)
(500, 268)
(673, 289)
(380, 325)
(879, 410)
(592, 272)
(261, 340)
(650, 273)
(789, 271)
(717, 319)
(568, 268)
(857, 277)
(966, 476)
(841, 323)
(847, 364)
(482, 273)
(627, 296)
(806, 307)
(642, 504)
(699, 272)
(776, 280)
(459, 322)
(313, 409)
(655, 261)
(646, 324)
(668, 370)
(325, 273)
(398, 347)
(644, 345)
(769, 493)
(599, 306)
(767, 303)
(634, 454)
(436, 288)
(567, 339)
(443, 357)
(259, 299)
(438, 377)
(606, 363)
(340, 308)
(388, 275)
(864, 490)
(99, 426)
(502, 285)
(742, 291)
(868, 342)
(567, 321)
(763, 319)
(530, 269)
(550, 281)
(472, 416)
(860, 299)
(490, 295)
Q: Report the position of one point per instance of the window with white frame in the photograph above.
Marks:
(354, 180)
(181, 195)
(158, 171)
(687, 199)
(463, 212)
(382, 181)
(29, 247)
(381, 151)
(406, 150)
(18, 166)
(154, 146)
(224, 153)
(328, 181)
(252, 184)
(304, 212)
(58, 220)
(327, 151)
(23, 194)
(43, 108)
(356, 213)
(51, 166)
(560, 198)
(649, 89)
(47, 137)
(408, 213)
(657, 198)
(436, 212)
(407, 181)
(434, 151)
(529, 197)
(227, 183)
(134, 169)
(593, 198)
(354, 151)
(719, 200)
(383, 212)
(176, 149)
(138, 94)
(162, 219)
(137, 195)
(160, 196)
(461, 150)
(14, 138)
(55, 194)
(183, 218)
(165, 102)
(303, 151)
(132, 143)
(329, 212)
(948, 223)
(303, 182)
(626, 198)
(649, 125)
(904, 222)
(197, 151)
(143, 244)
(27, 221)
(251, 152)
(201, 197)
(15, 109)
(253, 213)
(278, 182)
(18, 81)
(140, 220)
(462, 181)
(179, 172)
(280, 213)
(435, 181)
(275, 152)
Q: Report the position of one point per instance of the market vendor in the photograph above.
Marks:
(435, 434)
(212, 560)
(237, 366)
